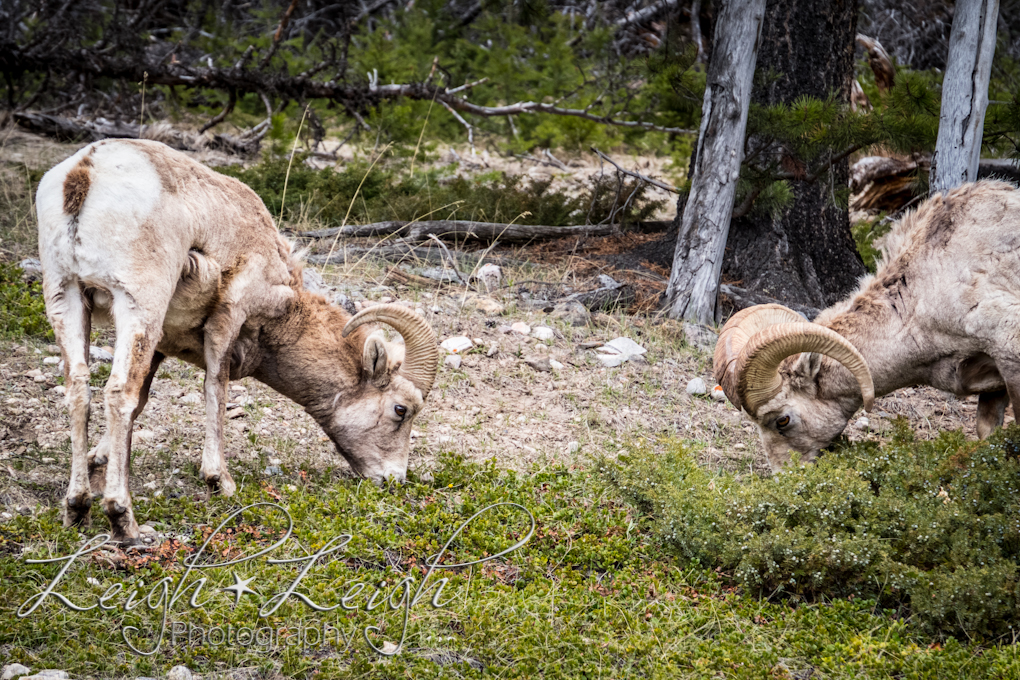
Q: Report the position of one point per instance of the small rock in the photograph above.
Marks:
(151, 486)
(521, 327)
(699, 336)
(146, 529)
(572, 312)
(445, 439)
(275, 461)
(696, 386)
(314, 282)
(573, 447)
(341, 300)
(14, 670)
(47, 459)
(100, 354)
(51, 361)
(48, 674)
(436, 309)
(236, 412)
(457, 344)
(619, 350)
(556, 365)
(388, 648)
(492, 351)
(6, 516)
(40, 378)
(193, 398)
(32, 270)
(25, 510)
(541, 364)
(34, 373)
(718, 394)
(179, 673)
(59, 389)
(543, 333)
(144, 435)
(452, 360)
(490, 276)
(487, 306)
(53, 350)
(273, 470)
(862, 423)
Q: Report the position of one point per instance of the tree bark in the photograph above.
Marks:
(964, 94)
(694, 281)
(806, 254)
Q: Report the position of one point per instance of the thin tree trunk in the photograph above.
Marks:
(964, 94)
(694, 282)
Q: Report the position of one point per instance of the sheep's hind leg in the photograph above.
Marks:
(72, 321)
(991, 411)
(138, 333)
(99, 455)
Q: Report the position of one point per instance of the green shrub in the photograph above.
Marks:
(930, 526)
(22, 310)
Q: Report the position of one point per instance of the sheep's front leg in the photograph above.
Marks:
(71, 322)
(99, 456)
(220, 332)
(991, 411)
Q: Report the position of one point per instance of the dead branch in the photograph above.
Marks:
(463, 230)
(665, 187)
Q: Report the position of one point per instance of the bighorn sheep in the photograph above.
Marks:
(942, 310)
(186, 262)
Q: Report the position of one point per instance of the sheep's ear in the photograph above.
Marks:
(378, 361)
(808, 365)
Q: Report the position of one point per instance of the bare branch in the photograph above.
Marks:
(665, 187)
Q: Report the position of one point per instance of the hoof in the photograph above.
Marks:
(76, 510)
(219, 483)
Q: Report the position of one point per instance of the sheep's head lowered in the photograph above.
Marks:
(774, 365)
(372, 428)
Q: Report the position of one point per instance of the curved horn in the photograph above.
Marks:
(734, 336)
(421, 354)
(757, 368)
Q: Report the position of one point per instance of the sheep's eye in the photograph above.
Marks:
(401, 410)
(783, 422)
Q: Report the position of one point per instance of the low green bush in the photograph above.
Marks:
(363, 195)
(931, 527)
(22, 310)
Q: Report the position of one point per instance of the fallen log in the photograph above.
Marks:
(463, 230)
(81, 131)
(399, 252)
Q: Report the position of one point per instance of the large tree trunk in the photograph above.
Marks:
(694, 280)
(806, 254)
(964, 94)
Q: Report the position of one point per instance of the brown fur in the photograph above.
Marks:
(76, 186)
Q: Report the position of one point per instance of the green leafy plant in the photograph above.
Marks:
(932, 527)
(22, 310)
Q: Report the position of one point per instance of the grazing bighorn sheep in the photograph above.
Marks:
(943, 310)
(186, 262)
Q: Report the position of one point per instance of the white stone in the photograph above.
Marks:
(543, 333)
(521, 327)
(457, 344)
(556, 365)
(99, 354)
(51, 361)
(718, 394)
(144, 435)
(14, 670)
(452, 360)
(696, 386)
(193, 398)
(59, 389)
(573, 447)
(179, 673)
(490, 276)
(40, 378)
(862, 423)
